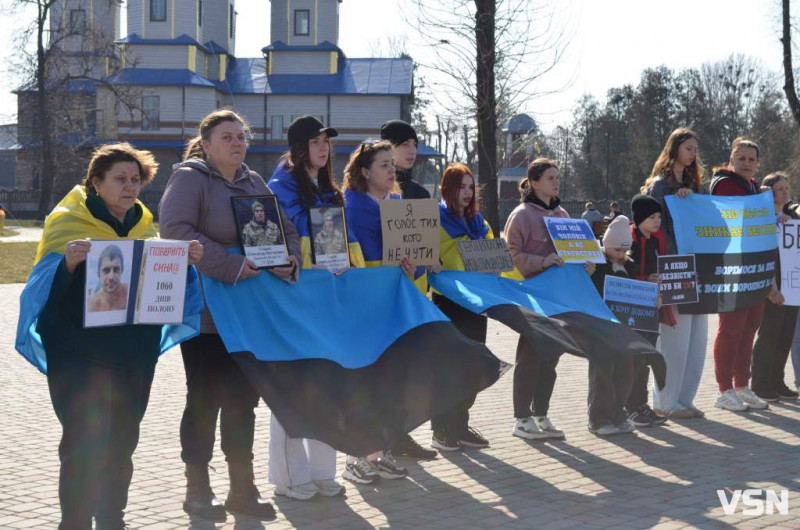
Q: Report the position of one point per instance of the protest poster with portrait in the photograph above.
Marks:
(328, 232)
(678, 279)
(260, 229)
(410, 229)
(574, 240)
(135, 282)
(633, 302)
(734, 243)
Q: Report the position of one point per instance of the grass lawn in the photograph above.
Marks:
(5, 232)
(17, 260)
(28, 223)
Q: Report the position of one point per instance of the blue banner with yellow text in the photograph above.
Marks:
(735, 247)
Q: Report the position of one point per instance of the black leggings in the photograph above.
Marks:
(534, 381)
(215, 386)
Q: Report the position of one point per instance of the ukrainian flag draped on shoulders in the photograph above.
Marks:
(285, 188)
(364, 216)
(455, 228)
(71, 220)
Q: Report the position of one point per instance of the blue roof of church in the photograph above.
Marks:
(182, 40)
(159, 77)
(324, 46)
(356, 76)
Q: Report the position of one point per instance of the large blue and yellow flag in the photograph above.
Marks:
(735, 246)
(354, 360)
(71, 220)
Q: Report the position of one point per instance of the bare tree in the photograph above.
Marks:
(488, 51)
(60, 76)
(789, 86)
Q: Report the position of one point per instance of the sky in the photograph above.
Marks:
(609, 44)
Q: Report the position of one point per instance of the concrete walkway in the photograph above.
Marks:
(26, 234)
(664, 477)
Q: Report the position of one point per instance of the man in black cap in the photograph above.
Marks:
(404, 139)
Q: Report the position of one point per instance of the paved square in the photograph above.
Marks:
(664, 477)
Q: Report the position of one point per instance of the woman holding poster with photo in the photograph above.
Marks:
(197, 205)
(733, 346)
(460, 221)
(302, 469)
(99, 377)
(774, 340)
(678, 171)
(533, 251)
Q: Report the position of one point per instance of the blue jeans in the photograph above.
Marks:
(796, 353)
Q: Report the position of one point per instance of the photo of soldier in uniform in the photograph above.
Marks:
(260, 230)
(328, 235)
(111, 292)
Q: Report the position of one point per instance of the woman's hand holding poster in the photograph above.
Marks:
(734, 243)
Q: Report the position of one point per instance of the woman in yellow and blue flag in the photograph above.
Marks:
(460, 221)
(99, 378)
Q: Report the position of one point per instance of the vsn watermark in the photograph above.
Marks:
(757, 501)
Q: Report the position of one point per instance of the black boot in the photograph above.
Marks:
(243, 496)
(200, 500)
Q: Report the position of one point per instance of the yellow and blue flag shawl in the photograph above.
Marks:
(71, 220)
(285, 188)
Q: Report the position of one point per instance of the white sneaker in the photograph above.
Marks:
(751, 400)
(547, 427)
(329, 487)
(527, 428)
(303, 492)
(606, 430)
(730, 400)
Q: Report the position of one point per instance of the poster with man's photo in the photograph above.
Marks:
(108, 279)
(329, 237)
(260, 229)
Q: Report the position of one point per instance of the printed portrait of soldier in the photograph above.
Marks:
(330, 239)
(260, 231)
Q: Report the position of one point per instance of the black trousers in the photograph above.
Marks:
(772, 346)
(609, 386)
(100, 410)
(473, 326)
(534, 381)
(641, 375)
(215, 386)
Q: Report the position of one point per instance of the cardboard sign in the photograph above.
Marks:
(574, 240)
(135, 282)
(678, 279)
(328, 237)
(410, 229)
(633, 302)
(485, 255)
(260, 228)
(789, 249)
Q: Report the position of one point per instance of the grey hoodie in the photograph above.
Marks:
(196, 205)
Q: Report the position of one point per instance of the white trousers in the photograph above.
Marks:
(296, 461)
(684, 349)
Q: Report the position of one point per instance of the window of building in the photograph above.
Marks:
(199, 12)
(77, 20)
(151, 113)
(231, 19)
(158, 10)
(302, 24)
(277, 127)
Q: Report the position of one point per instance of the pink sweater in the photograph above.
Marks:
(527, 236)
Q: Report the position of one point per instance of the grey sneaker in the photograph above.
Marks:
(547, 427)
(605, 430)
(528, 429)
(626, 427)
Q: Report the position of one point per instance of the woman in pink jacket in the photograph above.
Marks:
(533, 252)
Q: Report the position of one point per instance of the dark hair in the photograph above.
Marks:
(535, 171)
(194, 149)
(363, 157)
(451, 185)
(297, 159)
(111, 252)
(773, 178)
(668, 156)
(106, 156)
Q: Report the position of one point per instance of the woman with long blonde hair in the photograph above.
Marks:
(679, 171)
